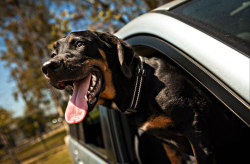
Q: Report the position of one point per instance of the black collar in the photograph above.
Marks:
(140, 74)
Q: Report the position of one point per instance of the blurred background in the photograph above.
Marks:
(31, 112)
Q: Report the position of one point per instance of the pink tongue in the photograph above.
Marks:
(77, 105)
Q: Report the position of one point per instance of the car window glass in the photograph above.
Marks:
(229, 19)
(93, 132)
(229, 16)
(89, 131)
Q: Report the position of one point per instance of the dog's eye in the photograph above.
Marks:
(53, 55)
(79, 43)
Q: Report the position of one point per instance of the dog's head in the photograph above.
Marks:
(85, 61)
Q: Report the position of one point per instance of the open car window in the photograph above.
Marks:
(147, 45)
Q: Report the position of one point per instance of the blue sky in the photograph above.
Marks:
(8, 86)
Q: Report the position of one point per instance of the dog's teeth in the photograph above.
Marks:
(93, 77)
(93, 83)
(91, 88)
(88, 92)
(86, 98)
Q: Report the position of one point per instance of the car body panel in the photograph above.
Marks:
(80, 154)
(171, 5)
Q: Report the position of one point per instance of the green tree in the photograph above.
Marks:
(33, 123)
(107, 15)
(27, 28)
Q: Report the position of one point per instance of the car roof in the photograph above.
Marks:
(171, 5)
(226, 63)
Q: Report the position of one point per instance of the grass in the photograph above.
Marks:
(52, 141)
(62, 157)
(55, 151)
(55, 155)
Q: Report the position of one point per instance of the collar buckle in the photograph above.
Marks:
(141, 72)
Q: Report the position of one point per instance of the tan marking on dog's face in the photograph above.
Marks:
(100, 101)
(102, 53)
(54, 45)
(70, 39)
(109, 90)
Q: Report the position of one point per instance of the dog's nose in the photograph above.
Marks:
(51, 66)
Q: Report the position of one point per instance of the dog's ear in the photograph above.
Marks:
(124, 51)
(125, 56)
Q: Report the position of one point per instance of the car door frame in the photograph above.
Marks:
(214, 85)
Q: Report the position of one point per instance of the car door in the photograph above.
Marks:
(103, 137)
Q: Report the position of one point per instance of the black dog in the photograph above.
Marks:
(159, 98)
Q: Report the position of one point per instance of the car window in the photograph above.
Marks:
(89, 132)
(228, 18)
(146, 45)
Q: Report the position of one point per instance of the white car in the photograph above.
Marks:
(209, 40)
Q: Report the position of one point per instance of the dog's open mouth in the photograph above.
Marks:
(85, 95)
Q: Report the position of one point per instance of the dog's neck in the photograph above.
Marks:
(130, 95)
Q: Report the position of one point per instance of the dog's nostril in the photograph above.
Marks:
(44, 70)
(45, 67)
(51, 66)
